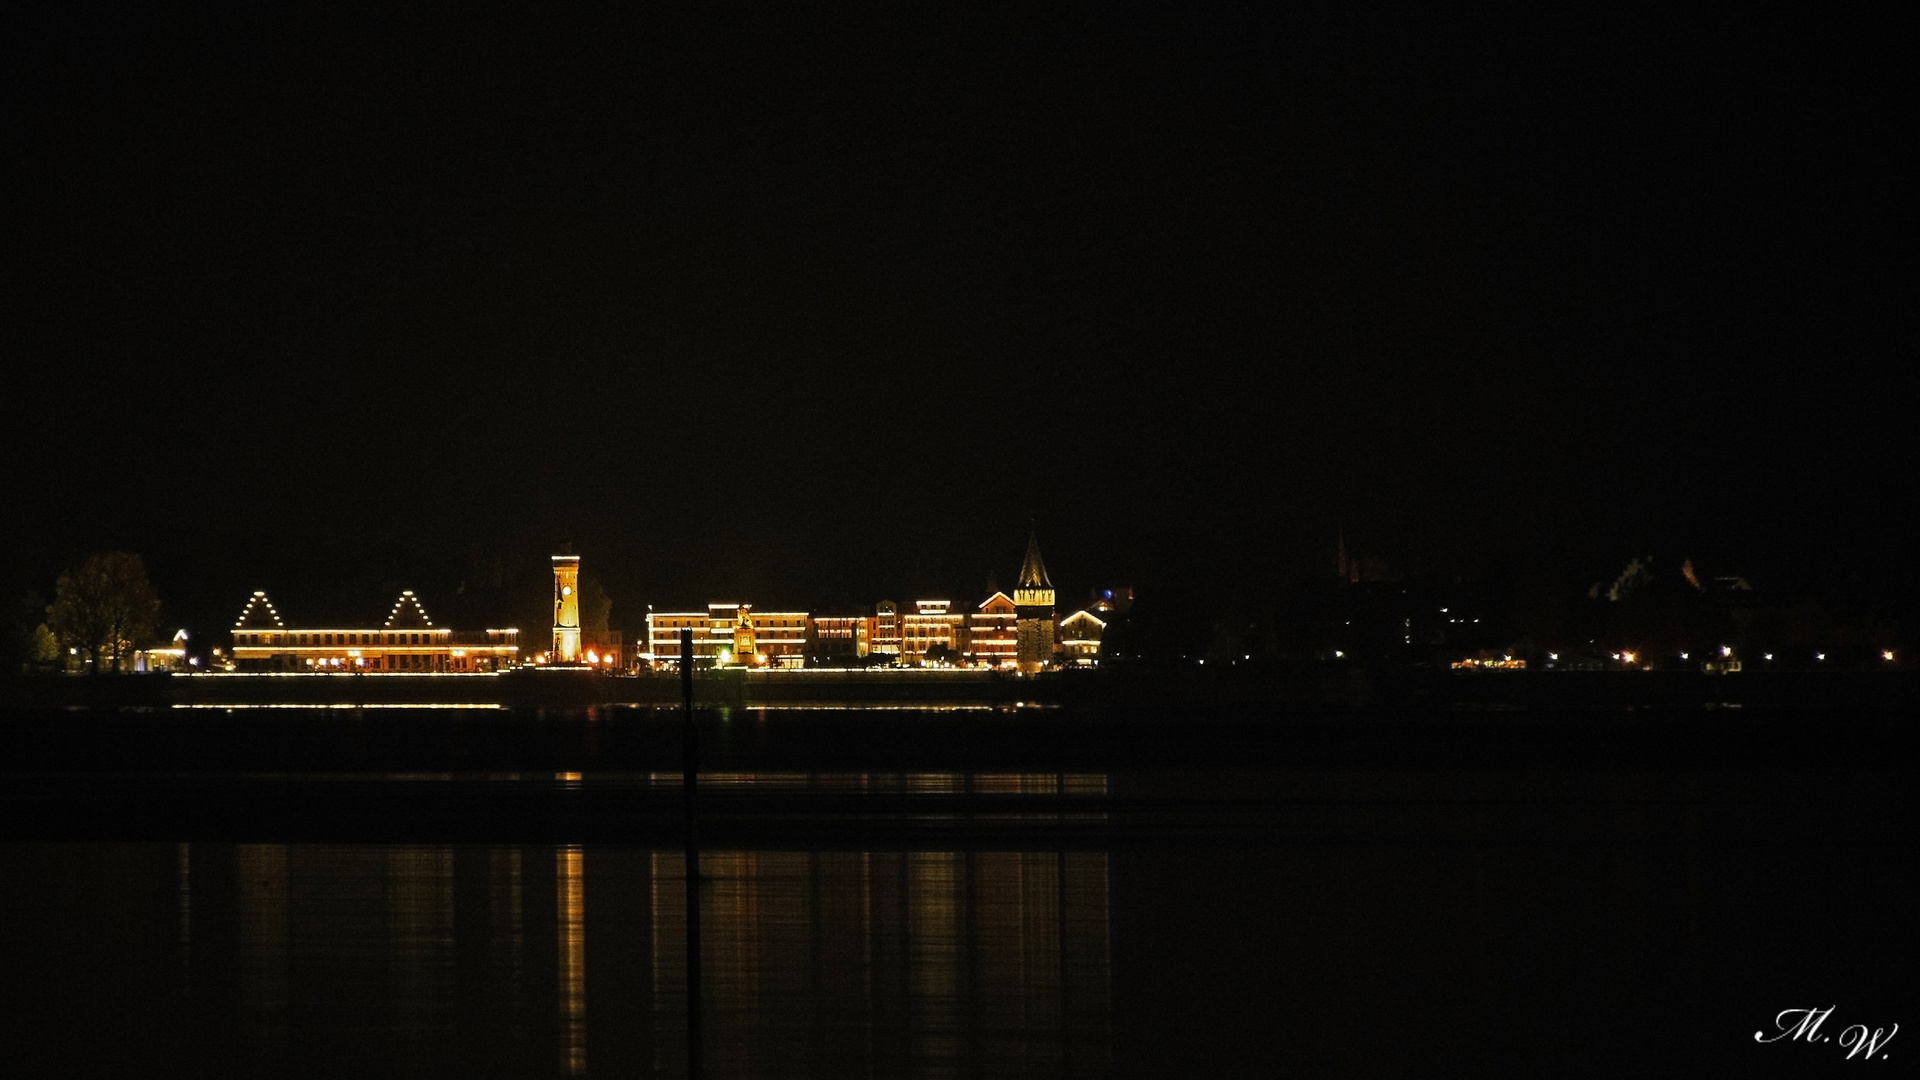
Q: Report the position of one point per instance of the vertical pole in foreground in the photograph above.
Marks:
(690, 775)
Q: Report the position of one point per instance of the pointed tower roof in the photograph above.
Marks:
(1033, 572)
(259, 614)
(408, 614)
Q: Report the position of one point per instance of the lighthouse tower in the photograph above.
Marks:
(566, 608)
(1033, 612)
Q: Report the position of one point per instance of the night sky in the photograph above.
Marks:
(829, 306)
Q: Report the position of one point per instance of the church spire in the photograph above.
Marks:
(1033, 572)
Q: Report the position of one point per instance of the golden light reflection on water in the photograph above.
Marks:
(571, 888)
(889, 963)
(814, 962)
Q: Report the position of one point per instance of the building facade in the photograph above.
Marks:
(933, 626)
(992, 638)
(407, 642)
(728, 634)
(840, 639)
(1080, 635)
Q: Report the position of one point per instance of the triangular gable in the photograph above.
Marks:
(1083, 613)
(1005, 601)
(259, 615)
(407, 614)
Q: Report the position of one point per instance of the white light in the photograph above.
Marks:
(1726, 650)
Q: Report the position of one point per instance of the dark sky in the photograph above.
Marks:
(820, 310)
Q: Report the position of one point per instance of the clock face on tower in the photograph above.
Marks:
(566, 590)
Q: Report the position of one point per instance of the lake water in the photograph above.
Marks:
(1168, 897)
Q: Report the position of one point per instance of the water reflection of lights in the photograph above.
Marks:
(338, 705)
(570, 885)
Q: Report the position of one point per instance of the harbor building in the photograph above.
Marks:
(407, 641)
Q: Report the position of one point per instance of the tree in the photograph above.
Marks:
(42, 647)
(594, 603)
(106, 608)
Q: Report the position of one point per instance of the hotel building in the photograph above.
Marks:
(932, 623)
(730, 634)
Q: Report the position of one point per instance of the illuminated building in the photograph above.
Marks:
(840, 638)
(932, 624)
(730, 634)
(1033, 603)
(407, 642)
(886, 628)
(173, 657)
(992, 638)
(566, 609)
(1080, 638)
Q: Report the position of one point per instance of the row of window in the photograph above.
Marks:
(344, 638)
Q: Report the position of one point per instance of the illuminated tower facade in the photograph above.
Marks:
(566, 609)
(1033, 612)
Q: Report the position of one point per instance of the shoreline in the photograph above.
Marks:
(1339, 687)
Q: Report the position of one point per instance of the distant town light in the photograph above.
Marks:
(1726, 650)
(1627, 656)
(1819, 656)
(1769, 656)
(1683, 656)
(1553, 656)
(1886, 654)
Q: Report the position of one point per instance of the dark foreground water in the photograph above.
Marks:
(1084, 896)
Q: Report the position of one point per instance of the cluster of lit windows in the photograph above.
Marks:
(341, 637)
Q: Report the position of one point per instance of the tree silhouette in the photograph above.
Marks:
(106, 608)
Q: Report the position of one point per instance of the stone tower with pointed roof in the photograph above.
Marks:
(1033, 606)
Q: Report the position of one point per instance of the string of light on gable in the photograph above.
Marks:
(258, 597)
(407, 597)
